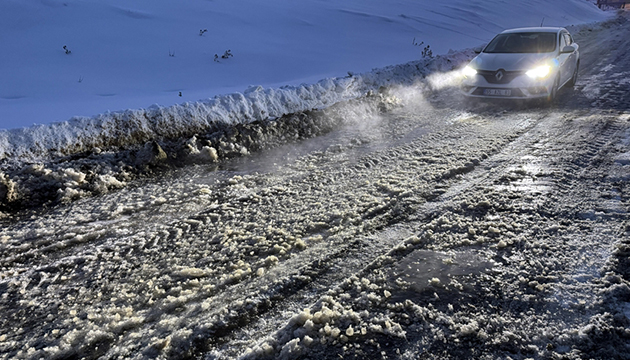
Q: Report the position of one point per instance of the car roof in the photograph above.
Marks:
(534, 29)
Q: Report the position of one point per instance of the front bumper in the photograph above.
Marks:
(515, 85)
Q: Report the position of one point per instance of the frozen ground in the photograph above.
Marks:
(401, 225)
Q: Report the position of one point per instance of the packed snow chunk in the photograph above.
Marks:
(494, 231)
(413, 240)
(350, 331)
(74, 175)
(239, 274)
(160, 344)
(209, 153)
(309, 325)
(204, 191)
(127, 324)
(271, 260)
(301, 318)
(263, 349)
(308, 341)
(469, 329)
(291, 350)
(191, 146)
(300, 244)
(190, 272)
(235, 180)
(324, 315)
(7, 189)
(110, 181)
(69, 194)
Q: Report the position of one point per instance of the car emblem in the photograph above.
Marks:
(499, 75)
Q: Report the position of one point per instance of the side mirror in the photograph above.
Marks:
(568, 49)
(478, 49)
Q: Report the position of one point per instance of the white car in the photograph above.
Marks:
(523, 63)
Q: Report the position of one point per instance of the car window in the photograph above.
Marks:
(563, 41)
(529, 42)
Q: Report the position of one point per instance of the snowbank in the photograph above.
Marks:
(116, 130)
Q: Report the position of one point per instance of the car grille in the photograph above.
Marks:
(507, 76)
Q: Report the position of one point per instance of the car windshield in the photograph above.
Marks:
(529, 42)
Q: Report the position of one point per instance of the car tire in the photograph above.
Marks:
(554, 90)
(573, 80)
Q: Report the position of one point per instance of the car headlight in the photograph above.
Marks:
(539, 72)
(468, 71)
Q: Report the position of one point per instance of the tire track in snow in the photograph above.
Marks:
(561, 256)
(181, 270)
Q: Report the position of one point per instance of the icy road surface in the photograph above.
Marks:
(433, 230)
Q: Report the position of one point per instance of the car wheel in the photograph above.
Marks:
(554, 90)
(573, 80)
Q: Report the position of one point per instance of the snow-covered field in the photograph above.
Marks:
(80, 59)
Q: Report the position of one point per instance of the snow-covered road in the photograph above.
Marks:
(424, 229)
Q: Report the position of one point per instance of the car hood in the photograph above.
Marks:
(509, 62)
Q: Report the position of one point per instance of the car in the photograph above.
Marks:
(523, 63)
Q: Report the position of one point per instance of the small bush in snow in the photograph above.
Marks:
(65, 48)
(426, 51)
(203, 31)
(171, 53)
(226, 55)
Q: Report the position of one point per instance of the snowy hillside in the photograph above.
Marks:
(67, 58)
